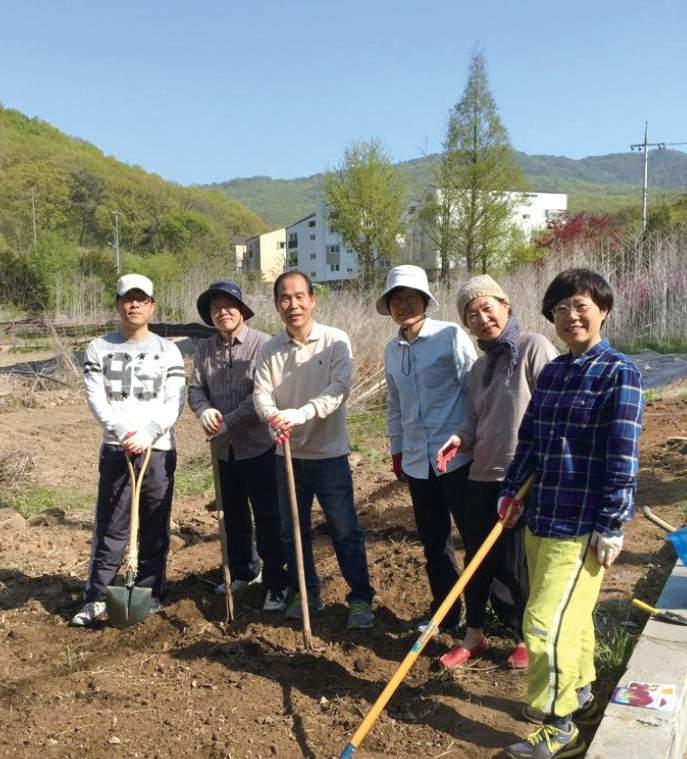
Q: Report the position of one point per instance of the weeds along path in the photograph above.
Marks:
(182, 684)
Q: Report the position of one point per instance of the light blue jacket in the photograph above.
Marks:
(427, 382)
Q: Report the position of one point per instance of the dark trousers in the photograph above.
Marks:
(502, 575)
(112, 519)
(435, 501)
(253, 481)
(330, 480)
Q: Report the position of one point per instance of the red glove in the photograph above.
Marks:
(516, 509)
(397, 466)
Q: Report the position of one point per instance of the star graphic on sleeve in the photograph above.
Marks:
(127, 357)
(141, 356)
(109, 356)
(140, 395)
(154, 395)
(156, 357)
(125, 394)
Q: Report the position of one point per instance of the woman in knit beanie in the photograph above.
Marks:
(501, 386)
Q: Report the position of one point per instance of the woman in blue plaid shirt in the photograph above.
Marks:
(580, 438)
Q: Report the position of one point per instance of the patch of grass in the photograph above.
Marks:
(652, 395)
(366, 430)
(613, 651)
(651, 345)
(193, 477)
(33, 500)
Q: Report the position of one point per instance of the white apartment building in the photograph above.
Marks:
(313, 248)
(266, 253)
(531, 213)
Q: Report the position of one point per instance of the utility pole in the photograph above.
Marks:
(646, 145)
(33, 213)
(117, 214)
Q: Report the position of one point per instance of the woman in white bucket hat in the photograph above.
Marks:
(427, 372)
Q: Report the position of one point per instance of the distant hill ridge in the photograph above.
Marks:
(598, 184)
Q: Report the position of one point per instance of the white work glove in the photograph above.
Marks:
(606, 547)
(137, 442)
(447, 451)
(221, 430)
(210, 421)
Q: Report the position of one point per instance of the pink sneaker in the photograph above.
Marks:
(460, 655)
(519, 659)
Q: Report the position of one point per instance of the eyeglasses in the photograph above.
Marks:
(408, 300)
(141, 300)
(562, 312)
(224, 307)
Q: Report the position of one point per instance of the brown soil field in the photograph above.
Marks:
(186, 684)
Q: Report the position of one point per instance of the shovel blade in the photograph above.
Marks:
(128, 606)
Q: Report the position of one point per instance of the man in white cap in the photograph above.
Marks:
(135, 388)
(221, 396)
(427, 374)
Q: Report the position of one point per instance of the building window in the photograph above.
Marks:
(293, 260)
(334, 267)
(313, 256)
(313, 274)
(293, 240)
(312, 223)
(525, 216)
(281, 245)
(313, 237)
(333, 248)
(349, 270)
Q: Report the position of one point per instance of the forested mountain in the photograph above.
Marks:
(598, 184)
(73, 188)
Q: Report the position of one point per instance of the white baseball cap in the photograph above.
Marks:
(134, 282)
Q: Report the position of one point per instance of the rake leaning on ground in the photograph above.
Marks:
(433, 625)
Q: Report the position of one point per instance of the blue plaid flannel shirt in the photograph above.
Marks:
(580, 437)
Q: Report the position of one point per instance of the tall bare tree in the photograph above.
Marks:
(364, 203)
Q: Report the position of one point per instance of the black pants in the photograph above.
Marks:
(435, 501)
(502, 576)
(253, 480)
(113, 510)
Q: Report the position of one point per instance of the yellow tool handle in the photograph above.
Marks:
(644, 607)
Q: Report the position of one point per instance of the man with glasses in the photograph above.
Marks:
(135, 387)
(221, 396)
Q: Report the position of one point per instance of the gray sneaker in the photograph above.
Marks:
(275, 600)
(88, 614)
(294, 611)
(548, 742)
(360, 617)
(238, 586)
(155, 605)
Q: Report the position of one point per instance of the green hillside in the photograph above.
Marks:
(74, 188)
(597, 184)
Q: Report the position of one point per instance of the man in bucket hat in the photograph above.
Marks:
(135, 387)
(427, 367)
(221, 396)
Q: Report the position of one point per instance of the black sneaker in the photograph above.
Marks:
(294, 610)
(588, 715)
(547, 742)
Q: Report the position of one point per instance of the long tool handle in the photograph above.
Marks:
(219, 504)
(428, 632)
(136, 483)
(298, 545)
(645, 607)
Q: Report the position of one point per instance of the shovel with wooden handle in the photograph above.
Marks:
(662, 614)
(298, 545)
(219, 503)
(130, 605)
(433, 624)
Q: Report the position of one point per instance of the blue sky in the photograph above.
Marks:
(204, 91)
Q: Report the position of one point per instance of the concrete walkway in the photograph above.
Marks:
(631, 732)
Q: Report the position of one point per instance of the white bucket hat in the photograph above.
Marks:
(406, 275)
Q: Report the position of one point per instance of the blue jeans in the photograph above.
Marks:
(330, 480)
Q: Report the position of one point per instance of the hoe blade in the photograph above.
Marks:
(128, 606)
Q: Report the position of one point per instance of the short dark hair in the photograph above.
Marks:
(394, 291)
(576, 282)
(285, 275)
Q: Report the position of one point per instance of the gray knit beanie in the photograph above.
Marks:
(478, 287)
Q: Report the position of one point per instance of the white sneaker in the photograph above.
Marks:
(237, 586)
(155, 605)
(88, 613)
(275, 600)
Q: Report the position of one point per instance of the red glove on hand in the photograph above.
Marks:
(516, 510)
(397, 466)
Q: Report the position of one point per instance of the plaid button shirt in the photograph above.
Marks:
(580, 437)
(222, 378)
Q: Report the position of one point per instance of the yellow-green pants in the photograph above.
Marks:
(565, 579)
